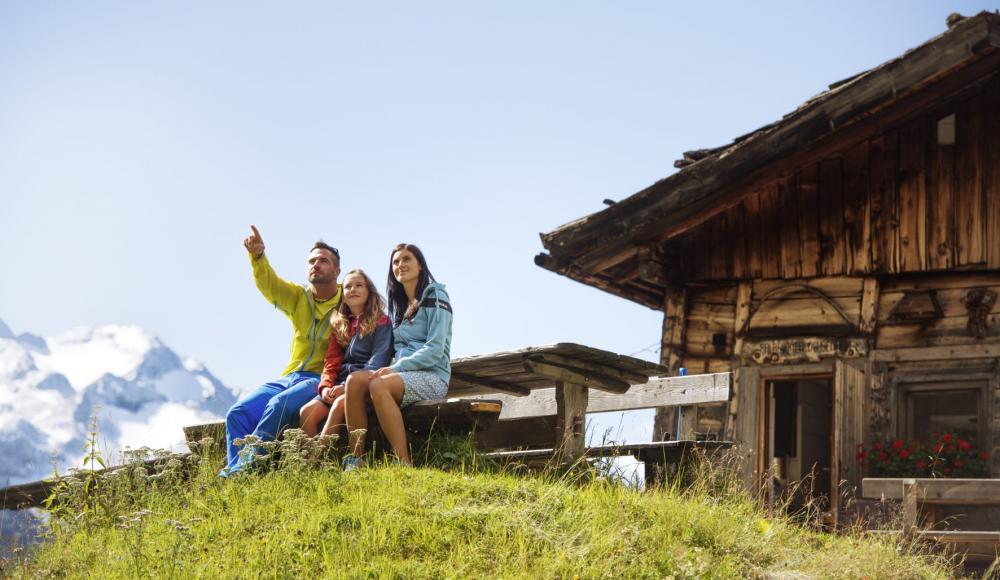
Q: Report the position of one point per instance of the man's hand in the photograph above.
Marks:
(382, 372)
(327, 395)
(254, 243)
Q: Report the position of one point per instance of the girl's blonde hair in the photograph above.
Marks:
(373, 312)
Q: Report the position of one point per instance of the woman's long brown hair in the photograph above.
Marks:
(374, 310)
(399, 309)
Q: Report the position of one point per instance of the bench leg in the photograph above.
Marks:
(911, 494)
(571, 421)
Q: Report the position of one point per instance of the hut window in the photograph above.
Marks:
(955, 408)
(946, 130)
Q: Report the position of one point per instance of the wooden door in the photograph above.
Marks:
(848, 422)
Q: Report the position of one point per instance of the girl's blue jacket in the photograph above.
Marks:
(424, 343)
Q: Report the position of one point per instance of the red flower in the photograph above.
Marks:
(984, 455)
(921, 465)
(946, 470)
(947, 438)
(861, 455)
(938, 447)
(964, 445)
(883, 456)
(897, 444)
(904, 454)
(958, 463)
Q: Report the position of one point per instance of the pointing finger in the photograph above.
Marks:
(255, 232)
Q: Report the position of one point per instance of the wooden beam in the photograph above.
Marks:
(584, 367)
(937, 353)
(667, 391)
(524, 432)
(555, 373)
(488, 383)
(571, 421)
(645, 298)
(869, 305)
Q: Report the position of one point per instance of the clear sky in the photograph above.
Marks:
(138, 141)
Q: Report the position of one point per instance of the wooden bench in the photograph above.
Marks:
(443, 416)
(657, 456)
(918, 493)
(34, 494)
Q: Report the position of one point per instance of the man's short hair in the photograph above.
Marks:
(321, 245)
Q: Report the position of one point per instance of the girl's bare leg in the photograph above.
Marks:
(386, 393)
(335, 420)
(311, 417)
(356, 393)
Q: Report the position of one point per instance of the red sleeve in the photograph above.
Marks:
(331, 365)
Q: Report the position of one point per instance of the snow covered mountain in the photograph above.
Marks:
(140, 391)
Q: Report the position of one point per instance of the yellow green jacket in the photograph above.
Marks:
(310, 318)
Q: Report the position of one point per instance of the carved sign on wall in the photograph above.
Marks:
(798, 350)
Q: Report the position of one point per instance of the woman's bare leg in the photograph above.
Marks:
(311, 417)
(356, 393)
(386, 393)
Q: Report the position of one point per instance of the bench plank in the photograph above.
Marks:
(665, 391)
(939, 491)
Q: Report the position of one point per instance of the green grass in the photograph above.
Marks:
(450, 520)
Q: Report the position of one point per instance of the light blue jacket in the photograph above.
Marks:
(424, 343)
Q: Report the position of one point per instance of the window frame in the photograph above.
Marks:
(904, 428)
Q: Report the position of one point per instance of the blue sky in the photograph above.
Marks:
(138, 141)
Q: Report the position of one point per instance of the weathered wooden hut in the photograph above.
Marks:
(843, 263)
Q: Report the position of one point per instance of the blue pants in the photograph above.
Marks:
(267, 410)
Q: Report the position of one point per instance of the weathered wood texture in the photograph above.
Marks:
(894, 203)
(952, 328)
(957, 491)
(35, 493)
(520, 371)
(663, 391)
(849, 390)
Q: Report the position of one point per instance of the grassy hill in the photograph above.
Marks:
(450, 519)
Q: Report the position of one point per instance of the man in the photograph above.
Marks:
(275, 405)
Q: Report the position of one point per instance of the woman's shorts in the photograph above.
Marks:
(420, 386)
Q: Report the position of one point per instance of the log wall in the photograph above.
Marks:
(898, 202)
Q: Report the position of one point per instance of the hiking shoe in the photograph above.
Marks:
(352, 463)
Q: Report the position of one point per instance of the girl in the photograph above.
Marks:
(421, 319)
(360, 341)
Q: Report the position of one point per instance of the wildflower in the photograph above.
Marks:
(904, 454)
(947, 437)
(877, 446)
(938, 447)
(958, 463)
(883, 456)
(921, 465)
(897, 444)
(964, 445)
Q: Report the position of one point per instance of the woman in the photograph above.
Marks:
(360, 340)
(421, 326)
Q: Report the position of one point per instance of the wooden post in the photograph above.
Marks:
(671, 354)
(571, 421)
(911, 493)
